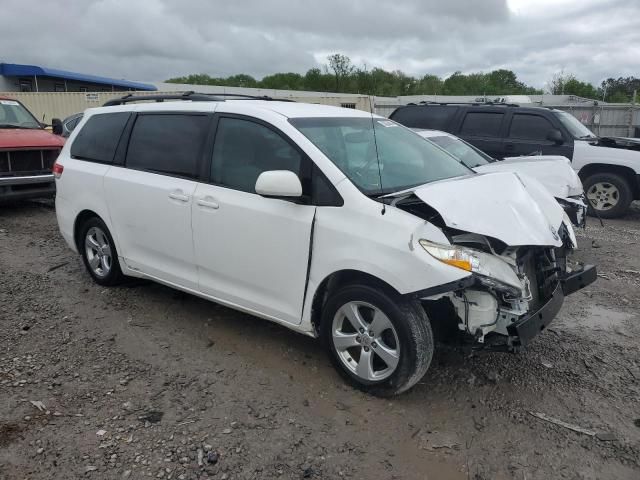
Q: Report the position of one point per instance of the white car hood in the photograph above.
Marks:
(587, 152)
(514, 208)
(552, 171)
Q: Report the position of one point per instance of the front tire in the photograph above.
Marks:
(608, 194)
(99, 253)
(381, 342)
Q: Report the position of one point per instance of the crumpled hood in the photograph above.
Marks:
(514, 208)
(552, 171)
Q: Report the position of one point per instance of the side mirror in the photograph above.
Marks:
(555, 136)
(279, 184)
(56, 126)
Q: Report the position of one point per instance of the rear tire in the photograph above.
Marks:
(379, 341)
(608, 194)
(99, 252)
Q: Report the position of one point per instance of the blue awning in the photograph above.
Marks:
(17, 70)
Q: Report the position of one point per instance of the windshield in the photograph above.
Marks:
(13, 114)
(405, 159)
(467, 154)
(575, 127)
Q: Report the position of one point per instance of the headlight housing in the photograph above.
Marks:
(491, 270)
(460, 257)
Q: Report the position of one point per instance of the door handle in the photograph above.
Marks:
(208, 202)
(509, 146)
(179, 195)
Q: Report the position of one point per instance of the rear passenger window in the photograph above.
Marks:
(529, 127)
(435, 117)
(99, 137)
(482, 124)
(244, 149)
(167, 143)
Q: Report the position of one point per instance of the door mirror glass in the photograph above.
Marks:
(279, 184)
(56, 126)
(555, 136)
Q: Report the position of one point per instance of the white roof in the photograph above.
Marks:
(297, 109)
(286, 109)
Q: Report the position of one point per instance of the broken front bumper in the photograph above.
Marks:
(528, 327)
(576, 209)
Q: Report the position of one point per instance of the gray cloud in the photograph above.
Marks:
(157, 39)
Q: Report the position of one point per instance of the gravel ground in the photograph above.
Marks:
(144, 381)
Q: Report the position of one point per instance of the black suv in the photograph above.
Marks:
(609, 167)
(498, 130)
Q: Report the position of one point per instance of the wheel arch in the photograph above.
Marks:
(625, 172)
(82, 217)
(338, 279)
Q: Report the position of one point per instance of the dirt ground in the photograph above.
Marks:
(144, 381)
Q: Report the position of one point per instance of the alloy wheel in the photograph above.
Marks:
(366, 341)
(98, 251)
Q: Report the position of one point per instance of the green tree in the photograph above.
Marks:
(456, 84)
(316, 81)
(619, 90)
(341, 67)
(340, 75)
(283, 81)
(582, 89)
(567, 84)
(430, 85)
(242, 80)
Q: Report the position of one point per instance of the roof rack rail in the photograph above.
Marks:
(475, 104)
(193, 96)
(190, 95)
(241, 96)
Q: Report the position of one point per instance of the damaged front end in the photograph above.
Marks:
(517, 279)
(510, 296)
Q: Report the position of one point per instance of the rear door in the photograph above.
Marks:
(252, 252)
(150, 197)
(483, 128)
(528, 134)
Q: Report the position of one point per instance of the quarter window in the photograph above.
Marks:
(529, 127)
(482, 124)
(169, 144)
(99, 137)
(435, 117)
(244, 149)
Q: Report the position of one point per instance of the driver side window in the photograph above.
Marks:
(244, 149)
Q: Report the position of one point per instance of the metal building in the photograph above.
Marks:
(16, 77)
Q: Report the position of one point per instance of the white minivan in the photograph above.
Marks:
(332, 222)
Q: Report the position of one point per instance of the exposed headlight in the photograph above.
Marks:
(460, 257)
(492, 270)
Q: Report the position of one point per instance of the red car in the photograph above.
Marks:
(27, 153)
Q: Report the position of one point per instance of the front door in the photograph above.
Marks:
(252, 252)
(528, 135)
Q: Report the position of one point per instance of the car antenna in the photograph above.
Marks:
(375, 143)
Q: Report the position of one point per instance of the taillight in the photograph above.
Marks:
(57, 170)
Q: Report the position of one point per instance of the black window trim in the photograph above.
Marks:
(123, 147)
(306, 163)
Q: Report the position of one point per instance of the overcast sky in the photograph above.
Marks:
(153, 40)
